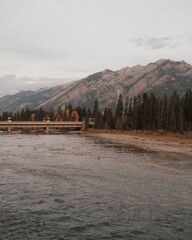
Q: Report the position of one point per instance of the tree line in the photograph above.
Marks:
(27, 114)
(146, 112)
(173, 114)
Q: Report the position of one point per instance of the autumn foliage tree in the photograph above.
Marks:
(74, 115)
(32, 116)
(67, 114)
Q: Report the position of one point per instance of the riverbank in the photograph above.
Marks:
(163, 145)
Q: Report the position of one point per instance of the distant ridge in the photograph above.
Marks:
(161, 77)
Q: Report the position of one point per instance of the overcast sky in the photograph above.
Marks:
(63, 40)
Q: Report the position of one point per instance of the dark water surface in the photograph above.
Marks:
(73, 187)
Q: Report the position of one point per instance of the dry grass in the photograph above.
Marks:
(161, 135)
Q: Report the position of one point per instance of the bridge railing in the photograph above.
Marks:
(10, 125)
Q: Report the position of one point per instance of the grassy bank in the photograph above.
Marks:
(186, 137)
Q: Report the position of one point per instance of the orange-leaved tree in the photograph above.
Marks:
(32, 116)
(74, 115)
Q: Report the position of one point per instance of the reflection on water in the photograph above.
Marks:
(77, 187)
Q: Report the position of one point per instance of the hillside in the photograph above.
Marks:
(163, 76)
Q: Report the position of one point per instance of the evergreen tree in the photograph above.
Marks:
(41, 114)
(50, 114)
(5, 116)
(153, 112)
(130, 116)
(96, 114)
(60, 112)
(138, 113)
(96, 109)
(109, 119)
(163, 113)
(119, 113)
(86, 115)
(187, 109)
(145, 112)
(125, 119)
(174, 113)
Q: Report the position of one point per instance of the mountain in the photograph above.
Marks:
(163, 76)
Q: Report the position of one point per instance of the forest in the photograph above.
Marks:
(146, 112)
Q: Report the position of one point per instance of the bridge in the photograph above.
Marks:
(46, 125)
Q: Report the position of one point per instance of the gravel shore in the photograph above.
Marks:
(163, 147)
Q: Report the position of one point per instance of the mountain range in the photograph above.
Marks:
(161, 77)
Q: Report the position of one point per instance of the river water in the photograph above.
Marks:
(75, 187)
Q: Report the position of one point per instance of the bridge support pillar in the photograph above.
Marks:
(9, 130)
(47, 130)
(83, 127)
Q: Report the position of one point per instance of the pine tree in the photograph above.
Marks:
(5, 116)
(96, 115)
(163, 112)
(174, 113)
(138, 113)
(153, 112)
(145, 112)
(108, 119)
(60, 112)
(187, 109)
(119, 113)
(130, 116)
(50, 114)
(95, 108)
(125, 120)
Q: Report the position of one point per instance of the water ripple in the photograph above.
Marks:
(74, 187)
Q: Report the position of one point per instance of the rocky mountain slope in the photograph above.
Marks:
(163, 76)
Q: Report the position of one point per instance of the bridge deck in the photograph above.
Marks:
(39, 124)
(15, 125)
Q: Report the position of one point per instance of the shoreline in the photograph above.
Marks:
(169, 146)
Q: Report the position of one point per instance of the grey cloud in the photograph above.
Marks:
(154, 43)
(11, 84)
(158, 43)
(139, 42)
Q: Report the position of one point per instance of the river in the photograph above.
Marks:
(71, 186)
